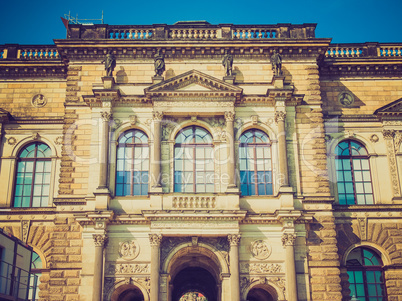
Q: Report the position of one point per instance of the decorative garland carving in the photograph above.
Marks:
(128, 250)
(389, 140)
(169, 243)
(260, 268)
(126, 268)
(11, 141)
(25, 230)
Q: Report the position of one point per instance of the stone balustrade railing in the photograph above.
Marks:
(30, 52)
(364, 50)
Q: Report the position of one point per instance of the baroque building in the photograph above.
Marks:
(204, 162)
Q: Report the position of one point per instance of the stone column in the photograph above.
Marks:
(229, 117)
(156, 159)
(100, 242)
(104, 146)
(234, 240)
(155, 241)
(280, 117)
(288, 241)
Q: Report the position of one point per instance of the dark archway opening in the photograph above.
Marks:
(259, 294)
(194, 279)
(132, 294)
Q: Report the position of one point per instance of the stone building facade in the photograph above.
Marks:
(197, 182)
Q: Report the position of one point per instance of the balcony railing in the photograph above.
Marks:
(364, 50)
(17, 283)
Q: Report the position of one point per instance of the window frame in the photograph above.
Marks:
(338, 160)
(367, 268)
(193, 145)
(254, 145)
(133, 145)
(34, 159)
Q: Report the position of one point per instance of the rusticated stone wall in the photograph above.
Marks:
(381, 235)
(59, 244)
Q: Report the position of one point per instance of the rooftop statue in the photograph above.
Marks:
(276, 61)
(159, 63)
(227, 62)
(110, 63)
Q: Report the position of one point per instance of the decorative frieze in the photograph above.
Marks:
(260, 268)
(126, 268)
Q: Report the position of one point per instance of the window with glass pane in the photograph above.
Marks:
(366, 282)
(36, 272)
(132, 164)
(32, 180)
(194, 161)
(255, 163)
(353, 174)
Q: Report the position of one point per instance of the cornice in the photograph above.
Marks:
(36, 68)
(194, 215)
(361, 67)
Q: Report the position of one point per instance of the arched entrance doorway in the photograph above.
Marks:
(127, 292)
(195, 273)
(262, 293)
(192, 283)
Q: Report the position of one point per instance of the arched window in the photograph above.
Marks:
(33, 176)
(132, 163)
(365, 272)
(36, 273)
(353, 174)
(255, 163)
(193, 161)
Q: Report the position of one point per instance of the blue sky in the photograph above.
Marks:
(352, 21)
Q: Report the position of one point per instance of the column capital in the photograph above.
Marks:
(288, 239)
(234, 239)
(280, 116)
(388, 134)
(106, 116)
(229, 116)
(100, 240)
(157, 116)
(155, 239)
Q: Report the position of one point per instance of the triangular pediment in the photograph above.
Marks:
(392, 109)
(194, 82)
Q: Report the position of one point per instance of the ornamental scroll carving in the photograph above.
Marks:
(128, 250)
(288, 239)
(25, 225)
(260, 249)
(234, 239)
(280, 116)
(389, 136)
(229, 116)
(100, 240)
(106, 116)
(155, 239)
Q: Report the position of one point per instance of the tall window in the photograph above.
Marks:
(194, 162)
(36, 273)
(33, 176)
(255, 163)
(365, 275)
(132, 164)
(353, 174)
